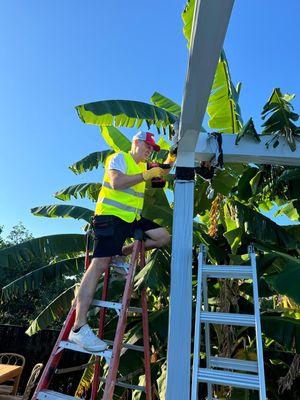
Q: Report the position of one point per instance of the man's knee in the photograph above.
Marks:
(164, 238)
(100, 263)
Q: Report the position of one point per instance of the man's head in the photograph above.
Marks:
(143, 144)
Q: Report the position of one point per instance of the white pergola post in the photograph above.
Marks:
(211, 18)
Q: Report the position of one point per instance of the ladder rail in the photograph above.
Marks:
(112, 357)
(197, 333)
(113, 366)
(146, 341)
(207, 332)
(102, 315)
(259, 348)
(55, 355)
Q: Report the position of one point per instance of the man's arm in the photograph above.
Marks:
(118, 180)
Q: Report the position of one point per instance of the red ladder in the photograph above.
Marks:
(111, 355)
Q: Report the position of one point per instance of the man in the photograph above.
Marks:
(118, 213)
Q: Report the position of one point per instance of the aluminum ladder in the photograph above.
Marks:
(113, 352)
(218, 370)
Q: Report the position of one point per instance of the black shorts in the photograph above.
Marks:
(110, 233)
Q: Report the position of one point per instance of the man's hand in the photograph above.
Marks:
(155, 172)
(170, 159)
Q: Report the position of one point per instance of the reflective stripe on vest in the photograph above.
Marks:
(128, 190)
(121, 206)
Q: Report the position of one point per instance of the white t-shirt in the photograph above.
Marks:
(118, 162)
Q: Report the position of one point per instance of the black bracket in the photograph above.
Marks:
(185, 173)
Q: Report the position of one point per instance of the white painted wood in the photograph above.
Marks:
(247, 150)
(180, 315)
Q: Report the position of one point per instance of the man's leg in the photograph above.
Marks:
(158, 237)
(87, 289)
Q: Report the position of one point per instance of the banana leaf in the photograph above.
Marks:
(187, 18)
(82, 190)
(285, 331)
(260, 228)
(292, 174)
(56, 309)
(90, 162)
(223, 108)
(40, 248)
(282, 273)
(43, 275)
(63, 211)
(86, 379)
(156, 273)
(157, 208)
(293, 230)
(279, 116)
(291, 210)
(125, 113)
(115, 139)
(165, 103)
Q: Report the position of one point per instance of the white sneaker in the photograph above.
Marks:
(87, 339)
(120, 265)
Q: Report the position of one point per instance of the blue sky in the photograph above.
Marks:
(55, 55)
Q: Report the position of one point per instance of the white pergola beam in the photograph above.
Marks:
(248, 150)
(211, 18)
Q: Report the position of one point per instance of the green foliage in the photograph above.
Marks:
(280, 119)
(223, 108)
(257, 227)
(43, 275)
(165, 103)
(63, 211)
(156, 274)
(90, 162)
(82, 190)
(55, 310)
(249, 131)
(187, 18)
(285, 331)
(124, 113)
(18, 234)
(115, 139)
(291, 210)
(41, 248)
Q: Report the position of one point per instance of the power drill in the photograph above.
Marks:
(158, 182)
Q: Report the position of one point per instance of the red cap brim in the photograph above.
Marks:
(155, 147)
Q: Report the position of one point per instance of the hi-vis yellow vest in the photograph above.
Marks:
(126, 204)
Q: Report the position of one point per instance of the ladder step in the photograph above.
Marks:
(127, 346)
(114, 305)
(228, 271)
(127, 385)
(226, 378)
(233, 363)
(51, 395)
(227, 318)
(75, 347)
